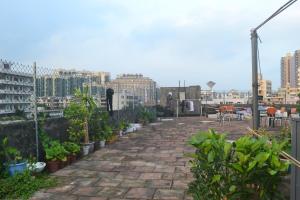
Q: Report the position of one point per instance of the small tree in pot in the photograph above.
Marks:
(79, 113)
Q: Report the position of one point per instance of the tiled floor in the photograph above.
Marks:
(149, 164)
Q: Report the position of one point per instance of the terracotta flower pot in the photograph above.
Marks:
(72, 158)
(63, 163)
(53, 166)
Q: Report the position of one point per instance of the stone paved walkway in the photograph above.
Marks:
(149, 164)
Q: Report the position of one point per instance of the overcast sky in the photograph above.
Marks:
(167, 40)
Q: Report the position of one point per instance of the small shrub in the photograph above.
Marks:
(249, 168)
(23, 186)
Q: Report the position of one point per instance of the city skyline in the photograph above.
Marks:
(165, 40)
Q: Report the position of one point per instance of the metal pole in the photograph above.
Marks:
(255, 119)
(118, 101)
(35, 112)
(133, 102)
(177, 110)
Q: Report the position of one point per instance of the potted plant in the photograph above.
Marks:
(78, 113)
(73, 150)
(56, 156)
(123, 125)
(15, 163)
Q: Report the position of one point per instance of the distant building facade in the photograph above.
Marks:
(264, 87)
(62, 83)
(16, 89)
(140, 87)
(286, 66)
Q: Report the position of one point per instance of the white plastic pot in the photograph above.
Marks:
(102, 143)
(36, 167)
(85, 149)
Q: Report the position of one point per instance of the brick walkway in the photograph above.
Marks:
(149, 164)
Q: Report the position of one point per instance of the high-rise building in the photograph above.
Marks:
(286, 66)
(290, 70)
(296, 64)
(16, 89)
(139, 86)
(62, 83)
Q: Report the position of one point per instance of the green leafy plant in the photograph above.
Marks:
(123, 125)
(95, 124)
(145, 115)
(106, 130)
(23, 186)
(79, 113)
(71, 147)
(12, 155)
(56, 151)
(250, 168)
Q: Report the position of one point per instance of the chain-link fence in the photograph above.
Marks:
(28, 92)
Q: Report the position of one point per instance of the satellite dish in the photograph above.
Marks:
(210, 84)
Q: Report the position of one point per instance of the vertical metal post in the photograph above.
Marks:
(200, 102)
(295, 171)
(254, 80)
(118, 101)
(90, 83)
(177, 109)
(133, 102)
(35, 112)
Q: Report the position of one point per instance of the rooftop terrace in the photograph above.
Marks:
(148, 164)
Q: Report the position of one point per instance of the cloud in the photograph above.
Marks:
(168, 40)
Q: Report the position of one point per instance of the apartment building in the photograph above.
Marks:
(16, 89)
(264, 87)
(125, 99)
(139, 86)
(62, 83)
(286, 67)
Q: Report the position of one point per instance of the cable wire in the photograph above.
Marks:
(281, 9)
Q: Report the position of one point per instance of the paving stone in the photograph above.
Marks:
(61, 189)
(130, 183)
(140, 193)
(151, 176)
(84, 181)
(40, 195)
(92, 198)
(169, 194)
(182, 184)
(168, 169)
(165, 184)
(86, 191)
(128, 175)
(106, 182)
(112, 192)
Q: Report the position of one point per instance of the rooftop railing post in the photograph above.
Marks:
(295, 171)
(35, 112)
(255, 119)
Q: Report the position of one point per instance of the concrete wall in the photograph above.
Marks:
(22, 134)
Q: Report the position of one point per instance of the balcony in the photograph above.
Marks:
(6, 91)
(8, 71)
(9, 82)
